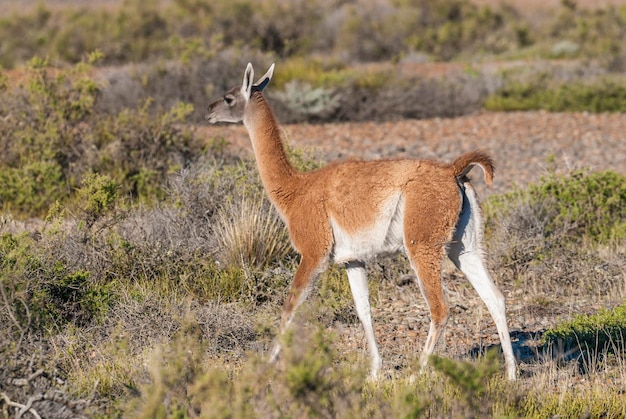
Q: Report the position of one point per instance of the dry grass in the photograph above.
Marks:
(250, 234)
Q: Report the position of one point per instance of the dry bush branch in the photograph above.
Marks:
(44, 399)
(9, 311)
(24, 408)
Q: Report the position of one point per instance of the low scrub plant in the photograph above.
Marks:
(96, 197)
(53, 137)
(561, 236)
(596, 30)
(42, 294)
(594, 402)
(607, 94)
(581, 204)
(600, 333)
(308, 102)
(44, 113)
(140, 32)
(134, 31)
(472, 379)
(184, 51)
(307, 381)
(454, 28)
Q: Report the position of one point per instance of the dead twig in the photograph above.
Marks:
(23, 407)
(9, 311)
(23, 382)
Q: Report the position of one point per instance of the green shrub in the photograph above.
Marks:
(136, 31)
(46, 294)
(473, 380)
(16, 262)
(603, 332)
(174, 369)
(563, 236)
(140, 149)
(310, 103)
(373, 31)
(187, 51)
(21, 44)
(598, 31)
(45, 114)
(457, 27)
(593, 204)
(605, 95)
(307, 372)
(72, 297)
(306, 384)
(96, 197)
(31, 188)
(590, 205)
(53, 136)
(316, 72)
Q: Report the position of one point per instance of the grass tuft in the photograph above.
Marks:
(250, 234)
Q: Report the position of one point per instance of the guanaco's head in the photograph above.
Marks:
(231, 107)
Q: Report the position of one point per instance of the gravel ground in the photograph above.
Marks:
(522, 145)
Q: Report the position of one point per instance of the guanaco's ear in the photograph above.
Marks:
(246, 87)
(264, 81)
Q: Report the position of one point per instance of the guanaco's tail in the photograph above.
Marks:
(463, 164)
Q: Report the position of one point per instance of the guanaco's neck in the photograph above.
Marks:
(277, 173)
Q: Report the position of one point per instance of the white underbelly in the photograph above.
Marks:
(385, 235)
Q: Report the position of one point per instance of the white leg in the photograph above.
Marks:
(360, 292)
(472, 266)
(434, 333)
(466, 253)
(275, 351)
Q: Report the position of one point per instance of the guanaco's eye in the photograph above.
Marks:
(229, 99)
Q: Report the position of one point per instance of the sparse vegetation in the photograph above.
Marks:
(580, 206)
(134, 31)
(121, 282)
(543, 235)
(142, 268)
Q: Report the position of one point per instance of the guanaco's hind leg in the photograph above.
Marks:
(357, 276)
(471, 264)
(427, 266)
(428, 225)
(465, 251)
